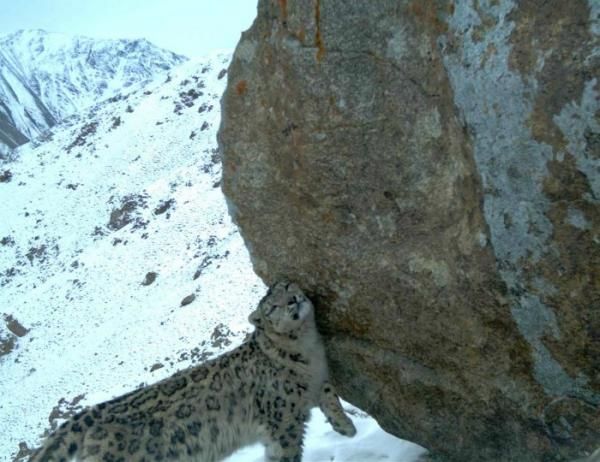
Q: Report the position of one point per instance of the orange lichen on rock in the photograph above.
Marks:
(429, 13)
(318, 37)
(283, 10)
(241, 87)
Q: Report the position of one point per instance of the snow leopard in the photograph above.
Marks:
(261, 391)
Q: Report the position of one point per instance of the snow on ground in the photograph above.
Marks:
(119, 264)
(322, 444)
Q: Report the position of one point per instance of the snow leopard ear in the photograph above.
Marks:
(255, 318)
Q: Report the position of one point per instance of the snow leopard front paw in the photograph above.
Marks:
(332, 408)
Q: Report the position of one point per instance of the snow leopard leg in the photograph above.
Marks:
(285, 443)
(330, 405)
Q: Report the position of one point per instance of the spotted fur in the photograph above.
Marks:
(261, 391)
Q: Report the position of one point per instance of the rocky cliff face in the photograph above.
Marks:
(430, 173)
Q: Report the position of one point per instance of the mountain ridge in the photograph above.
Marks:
(47, 76)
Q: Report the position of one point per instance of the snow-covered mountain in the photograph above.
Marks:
(119, 264)
(45, 77)
(23, 115)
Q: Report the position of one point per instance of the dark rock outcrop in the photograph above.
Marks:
(430, 173)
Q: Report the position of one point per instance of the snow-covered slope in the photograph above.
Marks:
(45, 77)
(119, 264)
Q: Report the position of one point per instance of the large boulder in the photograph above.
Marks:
(429, 171)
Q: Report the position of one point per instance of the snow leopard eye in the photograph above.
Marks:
(295, 317)
(273, 308)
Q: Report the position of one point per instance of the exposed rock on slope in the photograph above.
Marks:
(430, 173)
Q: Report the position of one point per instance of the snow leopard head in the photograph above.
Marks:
(284, 309)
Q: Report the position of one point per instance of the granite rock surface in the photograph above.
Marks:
(429, 171)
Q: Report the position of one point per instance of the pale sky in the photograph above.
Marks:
(188, 27)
